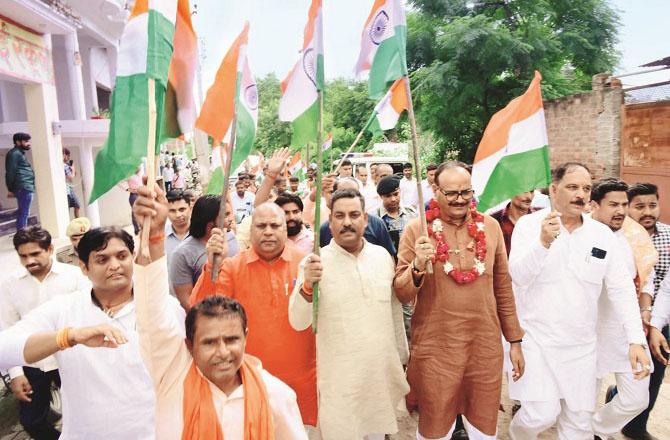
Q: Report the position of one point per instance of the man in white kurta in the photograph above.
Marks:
(610, 207)
(360, 340)
(557, 283)
(106, 393)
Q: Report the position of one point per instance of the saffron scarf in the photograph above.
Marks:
(200, 419)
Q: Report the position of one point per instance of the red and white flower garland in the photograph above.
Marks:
(475, 230)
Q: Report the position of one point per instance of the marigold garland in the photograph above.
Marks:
(475, 230)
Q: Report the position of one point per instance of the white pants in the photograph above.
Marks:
(536, 417)
(632, 398)
(473, 433)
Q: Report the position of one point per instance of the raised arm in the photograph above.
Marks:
(530, 248)
(161, 335)
(275, 166)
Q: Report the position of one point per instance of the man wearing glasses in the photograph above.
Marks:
(462, 308)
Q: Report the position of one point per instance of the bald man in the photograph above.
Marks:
(261, 278)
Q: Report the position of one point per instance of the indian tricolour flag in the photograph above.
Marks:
(513, 155)
(180, 109)
(328, 143)
(383, 46)
(145, 51)
(299, 103)
(234, 93)
(295, 165)
(388, 110)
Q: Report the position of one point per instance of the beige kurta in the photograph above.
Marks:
(456, 360)
(360, 343)
(168, 361)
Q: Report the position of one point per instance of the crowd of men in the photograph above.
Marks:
(175, 346)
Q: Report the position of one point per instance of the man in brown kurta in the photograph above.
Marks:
(456, 358)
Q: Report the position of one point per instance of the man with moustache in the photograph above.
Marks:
(301, 237)
(360, 342)
(261, 278)
(645, 209)
(507, 217)
(107, 394)
(559, 263)
(40, 279)
(609, 206)
(462, 308)
(375, 231)
(206, 386)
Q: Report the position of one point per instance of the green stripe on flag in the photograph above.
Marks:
(159, 50)
(320, 75)
(514, 174)
(215, 184)
(373, 125)
(126, 143)
(305, 126)
(246, 131)
(389, 63)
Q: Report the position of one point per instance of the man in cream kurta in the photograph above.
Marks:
(360, 339)
(168, 361)
(558, 264)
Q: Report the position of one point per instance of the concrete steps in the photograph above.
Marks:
(8, 221)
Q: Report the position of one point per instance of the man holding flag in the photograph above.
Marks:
(560, 261)
(456, 359)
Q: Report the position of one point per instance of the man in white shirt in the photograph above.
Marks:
(41, 279)
(427, 183)
(243, 201)
(373, 202)
(106, 394)
(559, 262)
(660, 318)
(360, 329)
(609, 203)
(368, 188)
(409, 194)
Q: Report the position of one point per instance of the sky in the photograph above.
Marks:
(276, 31)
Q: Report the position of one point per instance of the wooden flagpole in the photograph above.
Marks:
(417, 166)
(216, 264)
(353, 145)
(151, 167)
(317, 208)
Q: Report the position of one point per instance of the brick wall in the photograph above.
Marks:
(587, 128)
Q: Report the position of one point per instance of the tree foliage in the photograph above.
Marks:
(469, 63)
(346, 110)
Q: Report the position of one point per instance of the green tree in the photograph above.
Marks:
(468, 63)
(271, 132)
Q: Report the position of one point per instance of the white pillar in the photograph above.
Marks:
(86, 165)
(73, 61)
(42, 109)
(112, 56)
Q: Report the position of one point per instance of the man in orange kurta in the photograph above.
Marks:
(261, 279)
(456, 357)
